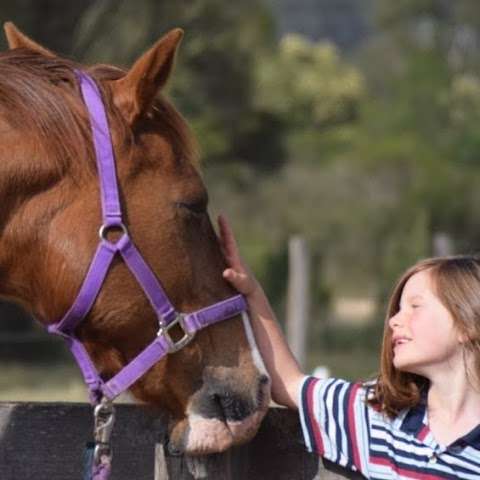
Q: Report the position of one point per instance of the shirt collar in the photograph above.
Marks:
(471, 439)
(416, 420)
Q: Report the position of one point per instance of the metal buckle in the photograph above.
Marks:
(104, 419)
(174, 346)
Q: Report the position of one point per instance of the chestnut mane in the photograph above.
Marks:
(40, 95)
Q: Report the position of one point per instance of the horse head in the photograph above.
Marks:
(215, 388)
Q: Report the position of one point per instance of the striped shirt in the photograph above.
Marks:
(339, 425)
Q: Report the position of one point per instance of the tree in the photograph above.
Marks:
(51, 22)
(213, 84)
(308, 85)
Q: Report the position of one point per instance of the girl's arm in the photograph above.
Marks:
(281, 364)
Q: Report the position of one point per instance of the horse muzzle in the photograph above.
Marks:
(220, 416)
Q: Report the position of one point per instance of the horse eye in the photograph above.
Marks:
(197, 208)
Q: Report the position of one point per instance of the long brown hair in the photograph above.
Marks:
(456, 280)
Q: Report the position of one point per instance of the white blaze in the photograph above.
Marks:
(257, 358)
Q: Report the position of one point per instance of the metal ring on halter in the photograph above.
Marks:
(103, 231)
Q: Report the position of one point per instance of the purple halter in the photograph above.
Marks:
(103, 392)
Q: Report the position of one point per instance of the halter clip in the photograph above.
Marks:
(104, 417)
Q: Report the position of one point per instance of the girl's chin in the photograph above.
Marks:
(402, 362)
(406, 367)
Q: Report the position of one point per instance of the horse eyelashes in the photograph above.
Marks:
(197, 208)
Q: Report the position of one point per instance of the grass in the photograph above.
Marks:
(41, 383)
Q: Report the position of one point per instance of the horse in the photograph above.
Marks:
(215, 389)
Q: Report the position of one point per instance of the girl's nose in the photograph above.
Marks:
(394, 322)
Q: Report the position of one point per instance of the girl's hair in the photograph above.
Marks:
(456, 283)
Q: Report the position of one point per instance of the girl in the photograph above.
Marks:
(420, 418)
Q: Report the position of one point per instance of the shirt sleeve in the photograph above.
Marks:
(335, 424)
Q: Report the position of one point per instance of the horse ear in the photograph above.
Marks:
(134, 93)
(17, 39)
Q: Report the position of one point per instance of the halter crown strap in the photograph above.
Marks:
(167, 316)
(111, 210)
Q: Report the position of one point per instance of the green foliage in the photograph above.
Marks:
(307, 84)
(419, 131)
(371, 190)
(393, 12)
(214, 82)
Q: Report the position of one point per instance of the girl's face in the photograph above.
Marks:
(424, 338)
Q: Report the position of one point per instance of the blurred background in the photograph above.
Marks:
(350, 124)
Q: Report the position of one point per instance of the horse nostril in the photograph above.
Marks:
(233, 407)
(264, 379)
(229, 404)
(227, 401)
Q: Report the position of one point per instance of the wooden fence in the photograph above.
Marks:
(44, 441)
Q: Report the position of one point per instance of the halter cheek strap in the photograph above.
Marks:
(168, 317)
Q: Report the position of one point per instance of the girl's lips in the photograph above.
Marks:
(398, 341)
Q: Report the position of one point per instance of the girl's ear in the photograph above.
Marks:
(17, 39)
(463, 338)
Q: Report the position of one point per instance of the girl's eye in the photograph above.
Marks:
(415, 305)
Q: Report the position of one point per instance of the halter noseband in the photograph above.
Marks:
(103, 392)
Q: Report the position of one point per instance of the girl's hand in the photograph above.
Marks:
(238, 273)
(279, 361)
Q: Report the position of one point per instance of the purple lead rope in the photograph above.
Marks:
(168, 317)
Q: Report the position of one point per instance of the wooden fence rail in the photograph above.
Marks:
(44, 441)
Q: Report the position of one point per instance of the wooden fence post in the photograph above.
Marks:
(442, 244)
(298, 297)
